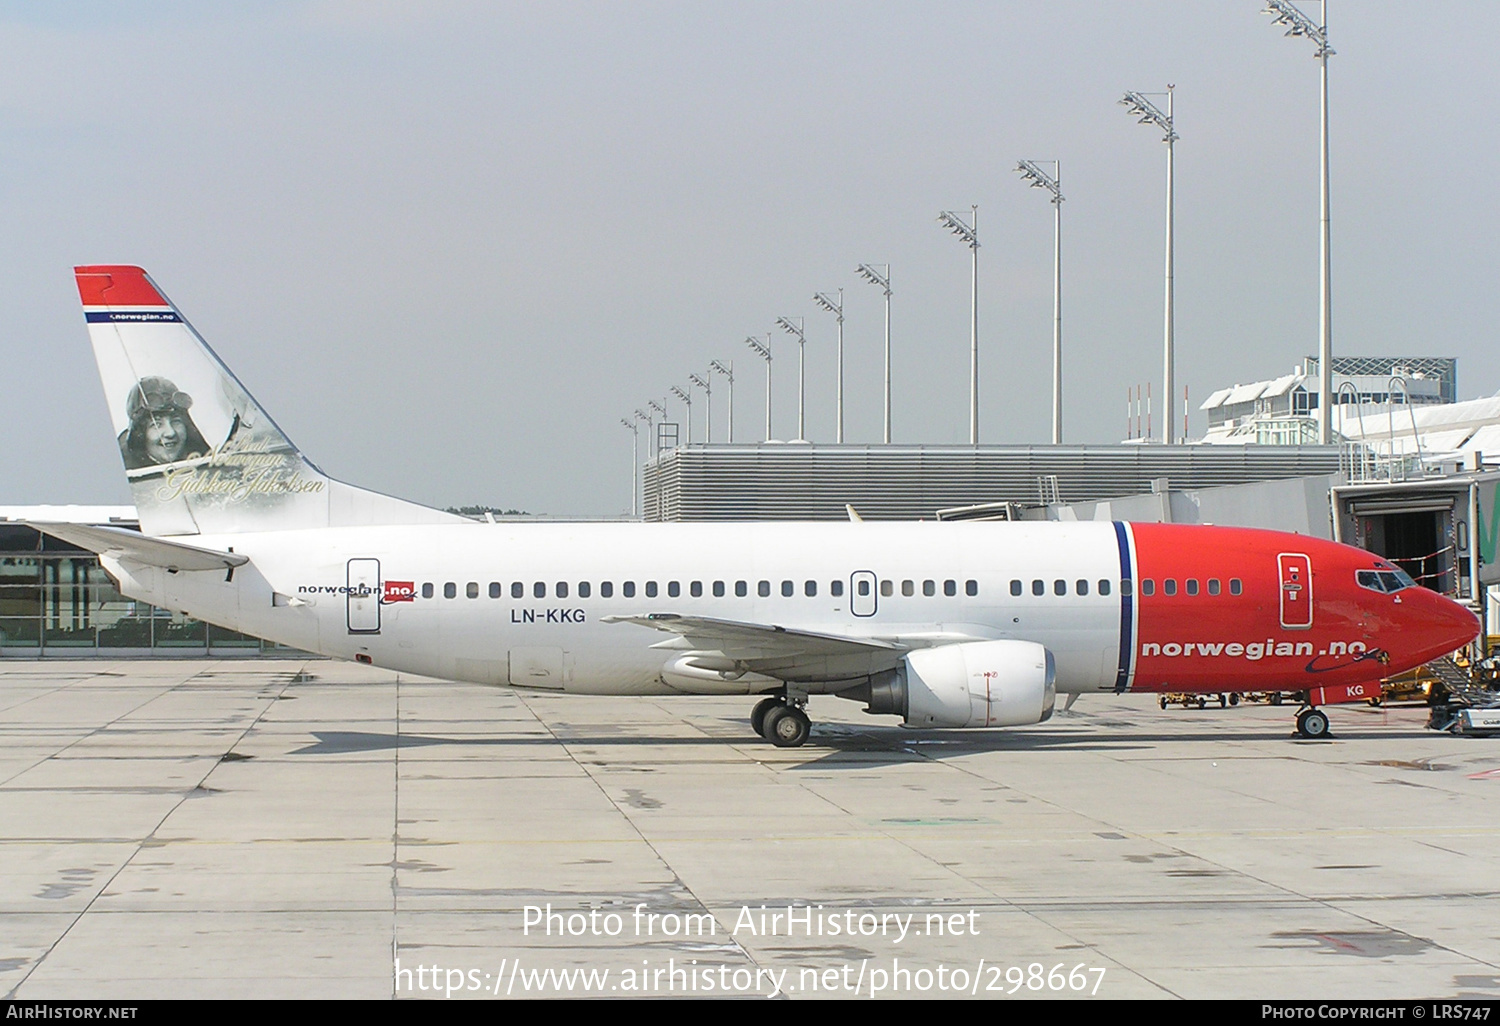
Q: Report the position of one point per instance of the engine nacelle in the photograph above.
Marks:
(974, 684)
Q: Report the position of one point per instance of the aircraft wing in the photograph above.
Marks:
(781, 652)
(140, 548)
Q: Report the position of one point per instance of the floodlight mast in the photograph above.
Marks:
(969, 234)
(635, 462)
(882, 279)
(708, 406)
(728, 372)
(1283, 12)
(764, 352)
(837, 309)
(687, 400)
(1149, 113)
(1039, 179)
(661, 409)
(795, 330)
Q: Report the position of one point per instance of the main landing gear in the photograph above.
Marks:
(781, 722)
(1312, 723)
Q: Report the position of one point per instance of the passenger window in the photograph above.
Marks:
(1169, 586)
(864, 589)
(539, 589)
(1127, 587)
(696, 589)
(1148, 586)
(1104, 586)
(718, 589)
(887, 588)
(628, 589)
(971, 588)
(810, 589)
(929, 588)
(908, 588)
(1191, 584)
(427, 591)
(741, 589)
(1016, 587)
(836, 588)
(450, 590)
(606, 589)
(494, 589)
(950, 588)
(787, 588)
(673, 589)
(583, 589)
(1213, 585)
(517, 590)
(1083, 587)
(651, 589)
(472, 589)
(763, 589)
(1059, 587)
(1039, 587)
(1235, 587)
(562, 589)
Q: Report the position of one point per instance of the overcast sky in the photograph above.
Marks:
(449, 245)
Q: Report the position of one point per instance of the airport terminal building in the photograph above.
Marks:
(55, 600)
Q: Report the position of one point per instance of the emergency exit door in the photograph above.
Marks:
(862, 598)
(1296, 590)
(363, 596)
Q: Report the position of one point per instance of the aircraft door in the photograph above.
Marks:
(364, 596)
(1296, 590)
(862, 595)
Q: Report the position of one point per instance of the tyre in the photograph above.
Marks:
(1312, 723)
(787, 727)
(1163, 701)
(1234, 699)
(759, 713)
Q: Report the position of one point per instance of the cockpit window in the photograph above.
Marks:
(1384, 580)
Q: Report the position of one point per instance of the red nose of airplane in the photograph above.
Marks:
(1432, 625)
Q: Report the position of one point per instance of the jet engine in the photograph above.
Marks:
(973, 684)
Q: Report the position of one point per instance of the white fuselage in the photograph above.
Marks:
(296, 591)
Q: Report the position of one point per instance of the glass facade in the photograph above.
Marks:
(56, 600)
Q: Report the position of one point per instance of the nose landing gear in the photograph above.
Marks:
(1312, 723)
(781, 722)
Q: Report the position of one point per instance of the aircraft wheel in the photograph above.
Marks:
(787, 727)
(760, 712)
(1312, 723)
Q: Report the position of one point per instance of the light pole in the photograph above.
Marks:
(795, 330)
(1298, 24)
(708, 407)
(837, 309)
(728, 372)
(661, 409)
(635, 460)
(882, 279)
(969, 234)
(687, 400)
(1039, 179)
(1150, 114)
(764, 352)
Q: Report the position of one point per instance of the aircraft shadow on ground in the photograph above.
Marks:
(832, 745)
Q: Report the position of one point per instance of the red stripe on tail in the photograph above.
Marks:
(112, 285)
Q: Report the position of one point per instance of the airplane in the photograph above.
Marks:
(943, 624)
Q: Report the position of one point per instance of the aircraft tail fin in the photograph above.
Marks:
(201, 454)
